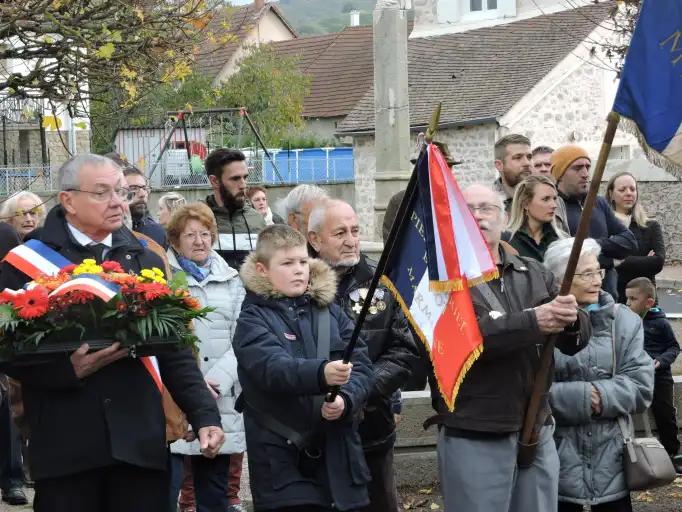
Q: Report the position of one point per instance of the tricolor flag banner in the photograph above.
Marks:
(34, 258)
(649, 96)
(439, 253)
(89, 283)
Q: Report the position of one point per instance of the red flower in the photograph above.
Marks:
(67, 269)
(32, 303)
(112, 266)
(79, 297)
(153, 291)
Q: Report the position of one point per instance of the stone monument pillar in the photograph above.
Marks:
(392, 147)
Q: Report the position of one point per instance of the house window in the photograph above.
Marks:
(482, 5)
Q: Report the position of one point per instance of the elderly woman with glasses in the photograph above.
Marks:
(589, 394)
(24, 211)
(192, 230)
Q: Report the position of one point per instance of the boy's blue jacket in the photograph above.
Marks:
(269, 343)
(659, 340)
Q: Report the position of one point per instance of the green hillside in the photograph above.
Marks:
(310, 17)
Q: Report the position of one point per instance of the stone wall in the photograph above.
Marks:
(58, 146)
(574, 112)
(474, 146)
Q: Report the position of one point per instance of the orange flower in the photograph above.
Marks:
(192, 303)
(32, 303)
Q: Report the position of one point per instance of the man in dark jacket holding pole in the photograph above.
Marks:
(477, 443)
(96, 419)
(571, 170)
(334, 234)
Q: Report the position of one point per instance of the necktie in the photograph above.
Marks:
(98, 251)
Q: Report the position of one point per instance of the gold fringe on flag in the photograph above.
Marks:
(656, 158)
(475, 354)
(453, 285)
(484, 278)
(457, 285)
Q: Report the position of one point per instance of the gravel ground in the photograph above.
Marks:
(664, 499)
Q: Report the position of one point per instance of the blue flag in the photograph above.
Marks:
(650, 93)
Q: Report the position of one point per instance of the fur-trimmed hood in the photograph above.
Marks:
(321, 287)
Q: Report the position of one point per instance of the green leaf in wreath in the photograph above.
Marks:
(8, 317)
(179, 280)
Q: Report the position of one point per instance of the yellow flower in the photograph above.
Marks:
(88, 266)
(153, 275)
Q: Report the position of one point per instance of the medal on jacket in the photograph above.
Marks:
(359, 295)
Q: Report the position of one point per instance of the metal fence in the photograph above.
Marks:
(35, 178)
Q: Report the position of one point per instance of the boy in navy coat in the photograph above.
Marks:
(660, 343)
(304, 453)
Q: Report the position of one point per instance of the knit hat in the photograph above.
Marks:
(563, 157)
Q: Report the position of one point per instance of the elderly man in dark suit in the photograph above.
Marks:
(96, 420)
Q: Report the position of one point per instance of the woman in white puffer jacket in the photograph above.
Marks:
(191, 232)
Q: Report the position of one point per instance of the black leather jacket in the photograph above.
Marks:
(494, 394)
(391, 349)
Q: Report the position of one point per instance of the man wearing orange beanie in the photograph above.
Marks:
(571, 170)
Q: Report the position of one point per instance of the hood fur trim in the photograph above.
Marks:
(321, 288)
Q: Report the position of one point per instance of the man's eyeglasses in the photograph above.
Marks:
(136, 189)
(486, 209)
(105, 196)
(589, 277)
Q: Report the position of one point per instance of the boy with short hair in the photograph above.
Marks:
(304, 454)
(660, 343)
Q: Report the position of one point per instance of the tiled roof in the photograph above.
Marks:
(481, 74)
(237, 21)
(340, 65)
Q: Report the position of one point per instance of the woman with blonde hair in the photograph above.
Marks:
(647, 261)
(532, 224)
(24, 211)
(168, 203)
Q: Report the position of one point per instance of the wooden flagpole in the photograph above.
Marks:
(529, 434)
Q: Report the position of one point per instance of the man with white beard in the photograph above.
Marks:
(334, 235)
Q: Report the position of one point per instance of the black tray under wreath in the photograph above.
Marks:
(59, 345)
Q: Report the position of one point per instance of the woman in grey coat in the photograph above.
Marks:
(586, 400)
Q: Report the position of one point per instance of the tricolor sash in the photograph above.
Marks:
(35, 258)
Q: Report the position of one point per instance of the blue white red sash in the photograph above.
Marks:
(34, 258)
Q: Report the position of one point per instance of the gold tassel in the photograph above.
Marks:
(454, 285)
(484, 278)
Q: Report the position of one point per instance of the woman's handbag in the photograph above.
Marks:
(645, 461)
